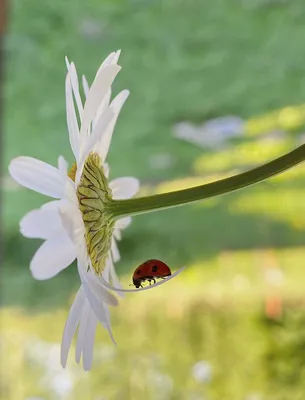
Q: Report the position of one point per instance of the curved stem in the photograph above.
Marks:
(141, 205)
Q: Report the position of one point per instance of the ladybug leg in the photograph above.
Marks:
(154, 280)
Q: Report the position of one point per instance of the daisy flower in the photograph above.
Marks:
(79, 224)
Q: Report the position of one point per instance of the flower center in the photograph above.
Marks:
(94, 195)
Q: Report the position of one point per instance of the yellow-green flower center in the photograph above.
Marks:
(94, 195)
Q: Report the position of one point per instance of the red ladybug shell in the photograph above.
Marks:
(150, 270)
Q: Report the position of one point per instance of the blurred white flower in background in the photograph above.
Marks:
(254, 396)
(213, 134)
(45, 354)
(274, 136)
(162, 384)
(202, 372)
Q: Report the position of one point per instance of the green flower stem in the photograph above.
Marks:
(141, 205)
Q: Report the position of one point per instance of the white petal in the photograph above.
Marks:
(106, 169)
(103, 107)
(85, 85)
(115, 251)
(74, 81)
(81, 335)
(37, 175)
(99, 88)
(116, 105)
(70, 191)
(71, 325)
(72, 119)
(71, 220)
(41, 223)
(106, 272)
(117, 289)
(94, 290)
(114, 278)
(111, 59)
(52, 205)
(104, 315)
(117, 234)
(116, 57)
(102, 124)
(124, 188)
(53, 256)
(106, 62)
(89, 341)
(63, 165)
(107, 325)
(123, 223)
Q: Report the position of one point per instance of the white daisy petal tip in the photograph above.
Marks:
(62, 165)
(37, 175)
(52, 257)
(67, 62)
(116, 289)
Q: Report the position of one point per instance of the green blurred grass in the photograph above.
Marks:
(187, 60)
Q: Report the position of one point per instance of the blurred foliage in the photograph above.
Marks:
(186, 60)
(248, 354)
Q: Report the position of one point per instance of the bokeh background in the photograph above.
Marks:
(232, 326)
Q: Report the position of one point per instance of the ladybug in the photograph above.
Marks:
(149, 271)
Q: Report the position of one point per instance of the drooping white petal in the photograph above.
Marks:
(116, 105)
(124, 188)
(107, 324)
(72, 119)
(113, 276)
(89, 341)
(41, 224)
(117, 234)
(81, 336)
(94, 290)
(54, 255)
(81, 314)
(99, 88)
(115, 251)
(117, 289)
(71, 325)
(38, 176)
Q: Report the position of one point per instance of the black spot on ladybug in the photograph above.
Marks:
(154, 268)
(138, 272)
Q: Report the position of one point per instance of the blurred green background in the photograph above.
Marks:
(232, 326)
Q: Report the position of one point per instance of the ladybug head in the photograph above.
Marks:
(137, 283)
